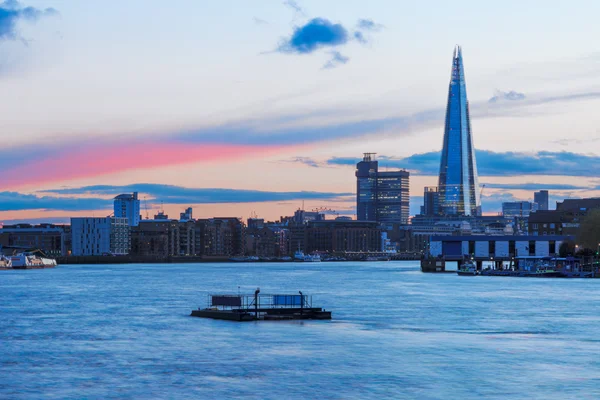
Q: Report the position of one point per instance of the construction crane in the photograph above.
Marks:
(325, 210)
(481, 193)
(146, 207)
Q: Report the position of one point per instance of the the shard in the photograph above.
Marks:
(458, 183)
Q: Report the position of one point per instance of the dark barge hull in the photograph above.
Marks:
(266, 314)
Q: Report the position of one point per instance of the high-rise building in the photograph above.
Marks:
(100, 236)
(381, 196)
(541, 198)
(128, 206)
(458, 181)
(431, 201)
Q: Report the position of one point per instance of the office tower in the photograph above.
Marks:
(458, 182)
(541, 198)
(431, 201)
(128, 206)
(381, 196)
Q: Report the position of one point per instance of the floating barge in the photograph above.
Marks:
(265, 307)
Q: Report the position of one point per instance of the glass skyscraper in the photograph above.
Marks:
(381, 196)
(458, 182)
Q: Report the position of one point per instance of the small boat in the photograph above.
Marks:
(467, 269)
(31, 261)
(5, 262)
(300, 256)
(545, 271)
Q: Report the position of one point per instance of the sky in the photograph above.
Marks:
(258, 107)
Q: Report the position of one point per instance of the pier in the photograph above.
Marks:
(265, 307)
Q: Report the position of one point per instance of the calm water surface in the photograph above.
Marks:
(124, 332)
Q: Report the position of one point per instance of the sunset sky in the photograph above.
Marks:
(234, 107)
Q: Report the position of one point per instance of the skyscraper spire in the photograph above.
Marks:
(458, 181)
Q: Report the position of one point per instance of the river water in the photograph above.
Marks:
(124, 332)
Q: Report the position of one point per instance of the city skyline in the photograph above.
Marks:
(155, 112)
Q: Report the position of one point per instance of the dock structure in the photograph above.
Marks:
(496, 250)
(266, 307)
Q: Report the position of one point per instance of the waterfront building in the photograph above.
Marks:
(431, 201)
(155, 238)
(267, 241)
(504, 248)
(541, 198)
(333, 236)
(458, 180)
(565, 220)
(518, 209)
(100, 236)
(128, 206)
(53, 240)
(381, 196)
(220, 236)
(187, 238)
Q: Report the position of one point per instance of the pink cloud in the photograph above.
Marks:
(75, 162)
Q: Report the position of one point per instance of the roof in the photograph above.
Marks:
(499, 238)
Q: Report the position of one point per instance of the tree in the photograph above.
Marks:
(567, 248)
(588, 236)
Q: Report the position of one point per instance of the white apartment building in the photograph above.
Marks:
(100, 236)
(128, 206)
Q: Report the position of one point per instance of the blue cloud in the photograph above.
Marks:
(490, 163)
(13, 201)
(182, 195)
(315, 34)
(337, 59)
(510, 96)
(293, 5)
(11, 11)
(534, 186)
(369, 25)
(358, 35)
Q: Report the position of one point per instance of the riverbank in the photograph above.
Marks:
(190, 259)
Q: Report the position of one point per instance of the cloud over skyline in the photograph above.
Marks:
(490, 163)
(183, 195)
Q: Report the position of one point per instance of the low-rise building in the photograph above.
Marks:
(220, 236)
(51, 239)
(100, 236)
(333, 236)
(158, 238)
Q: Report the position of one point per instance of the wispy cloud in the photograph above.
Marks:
(259, 21)
(13, 201)
(490, 163)
(507, 96)
(11, 11)
(337, 59)
(293, 5)
(369, 25)
(182, 195)
(304, 160)
(534, 186)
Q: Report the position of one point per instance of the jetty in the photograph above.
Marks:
(261, 307)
